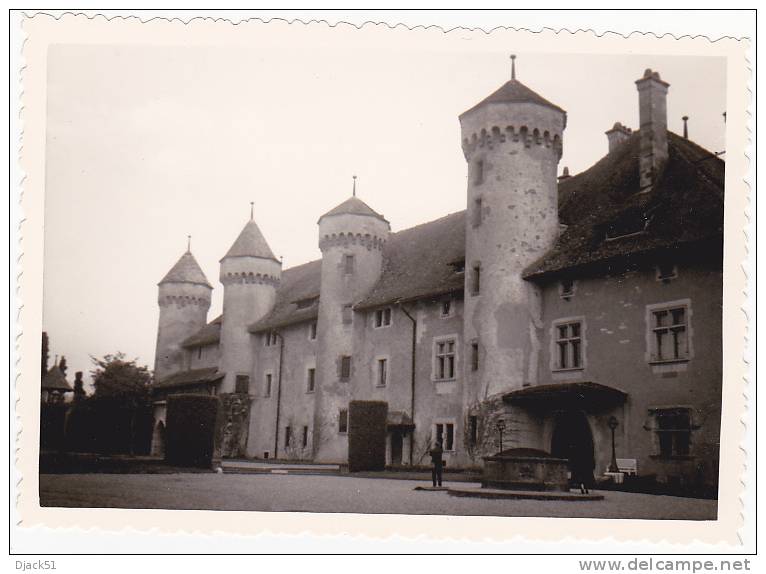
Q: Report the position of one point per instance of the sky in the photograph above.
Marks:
(146, 144)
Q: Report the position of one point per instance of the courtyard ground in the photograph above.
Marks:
(304, 493)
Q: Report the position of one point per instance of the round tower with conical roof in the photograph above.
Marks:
(250, 275)
(512, 141)
(184, 299)
(351, 237)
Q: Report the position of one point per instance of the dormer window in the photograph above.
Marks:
(666, 272)
(458, 266)
(305, 303)
(628, 224)
(446, 307)
(567, 289)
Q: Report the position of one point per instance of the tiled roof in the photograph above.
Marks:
(54, 380)
(514, 91)
(190, 377)
(420, 262)
(250, 243)
(684, 208)
(209, 334)
(297, 284)
(186, 270)
(354, 206)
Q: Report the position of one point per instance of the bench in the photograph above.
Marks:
(628, 466)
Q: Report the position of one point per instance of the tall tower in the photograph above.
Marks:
(184, 298)
(351, 238)
(250, 275)
(512, 141)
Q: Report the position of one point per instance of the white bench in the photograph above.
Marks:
(628, 466)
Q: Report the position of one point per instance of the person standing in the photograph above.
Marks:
(438, 464)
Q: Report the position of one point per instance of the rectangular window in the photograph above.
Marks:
(311, 376)
(267, 389)
(288, 434)
(242, 384)
(345, 368)
(473, 422)
(382, 372)
(477, 212)
(199, 352)
(312, 331)
(347, 314)
(348, 264)
(475, 356)
(270, 339)
(445, 359)
(343, 421)
(566, 288)
(569, 345)
(305, 441)
(476, 279)
(446, 307)
(478, 172)
(666, 272)
(673, 430)
(382, 317)
(668, 338)
(445, 434)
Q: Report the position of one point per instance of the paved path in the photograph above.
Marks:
(335, 494)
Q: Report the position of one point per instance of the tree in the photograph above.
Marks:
(122, 384)
(79, 387)
(115, 377)
(62, 365)
(45, 351)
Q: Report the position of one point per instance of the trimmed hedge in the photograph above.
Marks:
(367, 435)
(193, 430)
(52, 426)
(107, 425)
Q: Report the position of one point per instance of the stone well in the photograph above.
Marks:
(525, 469)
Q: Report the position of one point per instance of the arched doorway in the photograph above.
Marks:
(573, 440)
(158, 440)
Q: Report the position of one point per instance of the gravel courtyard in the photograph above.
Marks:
(336, 494)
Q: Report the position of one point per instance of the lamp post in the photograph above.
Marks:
(613, 424)
(500, 424)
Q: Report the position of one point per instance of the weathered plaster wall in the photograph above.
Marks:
(183, 312)
(296, 403)
(614, 312)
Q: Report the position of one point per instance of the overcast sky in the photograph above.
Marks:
(146, 144)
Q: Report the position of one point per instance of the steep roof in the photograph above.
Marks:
(514, 91)
(354, 206)
(209, 334)
(684, 208)
(54, 380)
(186, 270)
(609, 220)
(189, 377)
(250, 243)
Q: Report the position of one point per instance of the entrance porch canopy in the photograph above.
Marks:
(580, 395)
(399, 420)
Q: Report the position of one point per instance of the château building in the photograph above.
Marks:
(561, 305)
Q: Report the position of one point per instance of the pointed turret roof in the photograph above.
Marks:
(354, 206)
(54, 380)
(186, 270)
(250, 243)
(513, 91)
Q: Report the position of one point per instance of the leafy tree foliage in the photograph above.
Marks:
(117, 378)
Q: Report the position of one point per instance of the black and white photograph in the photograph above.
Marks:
(380, 271)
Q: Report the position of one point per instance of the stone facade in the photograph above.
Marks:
(491, 317)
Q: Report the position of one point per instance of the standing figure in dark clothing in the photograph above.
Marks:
(582, 473)
(436, 458)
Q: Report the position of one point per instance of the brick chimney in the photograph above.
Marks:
(618, 134)
(653, 117)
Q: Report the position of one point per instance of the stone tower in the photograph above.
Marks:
(184, 298)
(250, 275)
(351, 238)
(512, 141)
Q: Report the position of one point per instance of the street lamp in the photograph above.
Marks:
(500, 424)
(613, 424)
